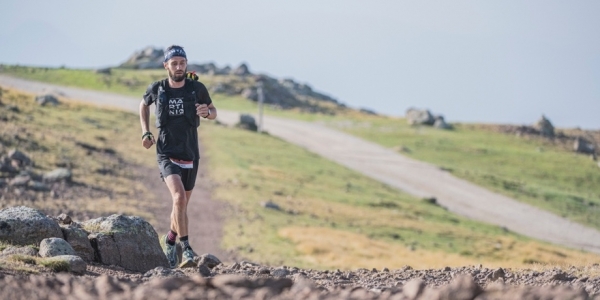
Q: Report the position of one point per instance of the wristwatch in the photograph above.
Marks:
(208, 113)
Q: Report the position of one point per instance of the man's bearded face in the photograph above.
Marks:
(177, 68)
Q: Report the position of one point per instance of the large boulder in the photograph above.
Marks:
(419, 117)
(440, 123)
(78, 239)
(247, 122)
(250, 94)
(581, 145)
(54, 247)
(26, 226)
(148, 58)
(241, 70)
(126, 241)
(544, 126)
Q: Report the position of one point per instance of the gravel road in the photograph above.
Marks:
(385, 165)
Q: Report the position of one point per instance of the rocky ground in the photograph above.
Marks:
(246, 280)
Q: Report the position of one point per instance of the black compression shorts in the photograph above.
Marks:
(188, 176)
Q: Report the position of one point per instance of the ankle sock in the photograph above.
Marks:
(185, 243)
(171, 237)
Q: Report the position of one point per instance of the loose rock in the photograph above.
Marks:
(54, 247)
(22, 225)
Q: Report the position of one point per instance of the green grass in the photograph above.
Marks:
(251, 168)
(123, 81)
(537, 171)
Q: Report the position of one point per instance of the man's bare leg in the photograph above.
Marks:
(188, 194)
(179, 220)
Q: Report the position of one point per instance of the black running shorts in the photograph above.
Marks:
(188, 176)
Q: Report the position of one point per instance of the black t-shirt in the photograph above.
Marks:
(178, 138)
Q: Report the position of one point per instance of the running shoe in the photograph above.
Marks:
(187, 259)
(170, 252)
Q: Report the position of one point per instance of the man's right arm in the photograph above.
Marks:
(147, 139)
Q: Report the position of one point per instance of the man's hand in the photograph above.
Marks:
(148, 140)
(202, 110)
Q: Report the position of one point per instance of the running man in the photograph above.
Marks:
(180, 102)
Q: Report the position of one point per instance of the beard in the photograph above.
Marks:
(178, 78)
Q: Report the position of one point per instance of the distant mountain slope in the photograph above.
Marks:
(282, 92)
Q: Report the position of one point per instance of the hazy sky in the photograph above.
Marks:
(471, 61)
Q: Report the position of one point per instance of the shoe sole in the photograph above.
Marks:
(187, 264)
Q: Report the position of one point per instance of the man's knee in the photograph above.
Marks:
(179, 199)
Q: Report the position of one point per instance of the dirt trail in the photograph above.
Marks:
(414, 177)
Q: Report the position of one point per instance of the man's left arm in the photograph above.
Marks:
(207, 111)
(212, 112)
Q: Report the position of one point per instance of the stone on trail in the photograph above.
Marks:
(162, 272)
(204, 271)
(208, 260)
(126, 241)
(64, 219)
(54, 247)
(22, 225)
(462, 287)
(78, 239)
(280, 272)
(413, 288)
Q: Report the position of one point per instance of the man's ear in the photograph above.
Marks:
(165, 65)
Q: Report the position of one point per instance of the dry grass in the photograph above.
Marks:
(347, 250)
(100, 146)
(55, 265)
(33, 265)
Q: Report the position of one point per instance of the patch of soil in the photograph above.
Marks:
(204, 213)
(246, 280)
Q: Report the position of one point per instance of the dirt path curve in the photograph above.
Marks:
(414, 177)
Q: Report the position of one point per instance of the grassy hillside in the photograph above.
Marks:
(329, 216)
(324, 206)
(100, 146)
(333, 217)
(535, 170)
